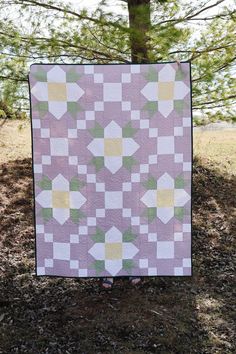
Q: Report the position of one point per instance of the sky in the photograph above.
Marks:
(116, 5)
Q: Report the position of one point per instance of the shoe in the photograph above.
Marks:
(135, 280)
(107, 283)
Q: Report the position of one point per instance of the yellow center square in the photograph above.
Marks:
(60, 199)
(113, 250)
(165, 198)
(113, 147)
(165, 91)
(57, 92)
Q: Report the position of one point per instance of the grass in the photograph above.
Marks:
(218, 147)
(15, 140)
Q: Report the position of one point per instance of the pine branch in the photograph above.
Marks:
(193, 16)
(199, 105)
(213, 107)
(65, 44)
(2, 77)
(224, 66)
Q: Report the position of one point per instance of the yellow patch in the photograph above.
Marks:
(113, 147)
(60, 199)
(165, 198)
(165, 91)
(113, 250)
(57, 92)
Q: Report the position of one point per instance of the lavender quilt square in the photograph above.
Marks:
(112, 168)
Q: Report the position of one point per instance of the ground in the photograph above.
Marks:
(163, 315)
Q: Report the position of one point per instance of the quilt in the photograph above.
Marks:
(112, 169)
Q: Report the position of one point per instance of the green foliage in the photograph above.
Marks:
(6, 112)
(2, 114)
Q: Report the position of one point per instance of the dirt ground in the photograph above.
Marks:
(165, 315)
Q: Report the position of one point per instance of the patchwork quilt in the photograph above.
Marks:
(112, 168)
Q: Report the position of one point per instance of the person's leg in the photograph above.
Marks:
(107, 283)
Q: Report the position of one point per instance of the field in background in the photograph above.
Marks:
(15, 140)
(217, 146)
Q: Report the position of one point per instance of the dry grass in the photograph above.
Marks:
(15, 140)
(218, 147)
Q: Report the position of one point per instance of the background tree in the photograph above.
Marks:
(52, 31)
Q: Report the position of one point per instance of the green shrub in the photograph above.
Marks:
(7, 112)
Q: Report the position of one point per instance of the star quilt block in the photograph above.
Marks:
(112, 169)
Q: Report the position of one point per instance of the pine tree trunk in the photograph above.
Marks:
(139, 23)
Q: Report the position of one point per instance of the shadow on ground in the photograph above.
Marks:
(163, 315)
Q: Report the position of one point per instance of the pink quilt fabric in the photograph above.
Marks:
(112, 168)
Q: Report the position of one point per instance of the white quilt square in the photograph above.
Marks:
(112, 92)
(126, 77)
(45, 133)
(61, 250)
(126, 106)
(72, 133)
(126, 186)
(126, 213)
(165, 145)
(46, 160)
(59, 146)
(100, 213)
(113, 200)
(98, 78)
(165, 249)
(89, 115)
(143, 263)
(99, 106)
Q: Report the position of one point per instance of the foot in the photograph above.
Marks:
(135, 280)
(107, 283)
